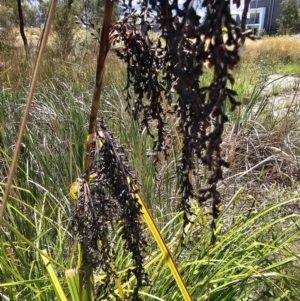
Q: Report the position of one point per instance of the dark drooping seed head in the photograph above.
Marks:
(173, 65)
(107, 202)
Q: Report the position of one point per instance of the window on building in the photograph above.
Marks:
(255, 3)
(254, 18)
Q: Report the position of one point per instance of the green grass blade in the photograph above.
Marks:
(22, 238)
(162, 245)
(73, 283)
(53, 278)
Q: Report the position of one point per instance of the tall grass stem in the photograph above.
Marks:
(103, 50)
(37, 66)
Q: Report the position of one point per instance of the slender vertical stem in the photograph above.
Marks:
(103, 50)
(22, 32)
(37, 66)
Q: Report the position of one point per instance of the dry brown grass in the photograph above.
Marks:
(278, 47)
(15, 70)
(283, 48)
(264, 158)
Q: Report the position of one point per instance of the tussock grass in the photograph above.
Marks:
(257, 250)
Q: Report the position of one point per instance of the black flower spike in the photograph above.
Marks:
(106, 202)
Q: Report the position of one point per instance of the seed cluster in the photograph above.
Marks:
(106, 201)
(173, 65)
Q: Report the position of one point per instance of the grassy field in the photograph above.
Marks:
(256, 253)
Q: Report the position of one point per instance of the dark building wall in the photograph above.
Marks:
(276, 15)
(272, 12)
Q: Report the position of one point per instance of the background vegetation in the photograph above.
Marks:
(256, 255)
(289, 18)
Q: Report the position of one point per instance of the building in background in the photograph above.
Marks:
(262, 14)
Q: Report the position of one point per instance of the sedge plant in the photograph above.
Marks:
(114, 253)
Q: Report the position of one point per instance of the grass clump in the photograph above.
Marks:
(255, 254)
